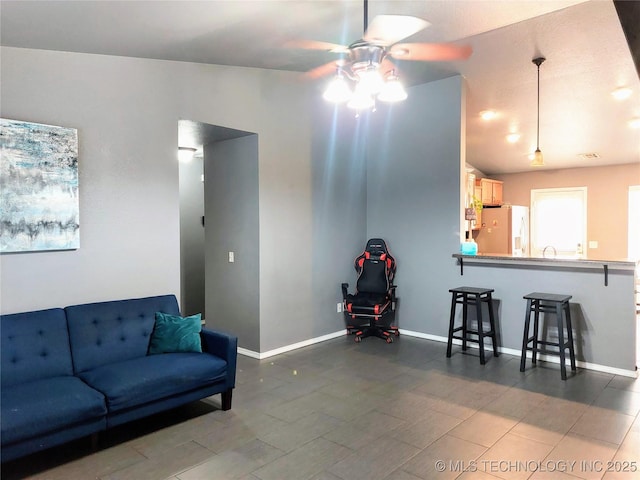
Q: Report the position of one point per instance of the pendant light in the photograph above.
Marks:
(538, 160)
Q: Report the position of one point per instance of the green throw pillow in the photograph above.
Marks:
(173, 334)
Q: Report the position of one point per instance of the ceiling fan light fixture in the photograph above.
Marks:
(392, 91)
(370, 80)
(362, 98)
(338, 90)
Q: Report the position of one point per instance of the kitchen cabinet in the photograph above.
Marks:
(490, 191)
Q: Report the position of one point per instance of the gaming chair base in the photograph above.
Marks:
(381, 327)
(383, 333)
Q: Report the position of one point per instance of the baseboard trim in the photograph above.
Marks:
(547, 358)
(436, 338)
(293, 346)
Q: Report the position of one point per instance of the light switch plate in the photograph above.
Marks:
(232, 257)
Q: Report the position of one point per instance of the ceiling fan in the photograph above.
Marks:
(367, 61)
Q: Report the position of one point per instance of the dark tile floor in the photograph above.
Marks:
(340, 410)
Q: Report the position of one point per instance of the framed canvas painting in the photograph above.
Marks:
(39, 205)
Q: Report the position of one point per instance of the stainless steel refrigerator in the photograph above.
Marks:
(505, 231)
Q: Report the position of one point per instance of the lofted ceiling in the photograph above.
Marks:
(585, 47)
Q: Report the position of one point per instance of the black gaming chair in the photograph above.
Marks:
(371, 310)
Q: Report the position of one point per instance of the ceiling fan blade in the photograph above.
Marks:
(387, 66)
(316, 45)
(430, 51)
(388, 29)
(323, 70)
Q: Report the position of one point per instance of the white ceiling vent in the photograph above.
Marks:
(589, 156)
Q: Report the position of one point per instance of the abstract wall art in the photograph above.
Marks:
(39, 206)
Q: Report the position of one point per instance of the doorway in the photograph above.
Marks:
(196, 136)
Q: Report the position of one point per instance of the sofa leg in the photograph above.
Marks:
(95, 442)
(226, 399)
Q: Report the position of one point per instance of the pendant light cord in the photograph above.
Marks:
(538, 128)
(538, 61)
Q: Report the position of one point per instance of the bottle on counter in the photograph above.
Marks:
(469, 246)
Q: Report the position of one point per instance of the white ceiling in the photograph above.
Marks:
(587, 57)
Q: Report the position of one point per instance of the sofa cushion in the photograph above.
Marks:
(34, 345)
(43, 406)
(143, 380)
(174, 334)
(107, 332)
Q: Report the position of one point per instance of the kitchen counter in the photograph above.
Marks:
(602, 304)
(569, 259)
(552, 262)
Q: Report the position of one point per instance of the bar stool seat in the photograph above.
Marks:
(548, 303)
(472, 296)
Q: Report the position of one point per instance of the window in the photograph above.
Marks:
(558, 221)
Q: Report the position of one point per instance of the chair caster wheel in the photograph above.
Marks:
(357, 339)
(397, 333)
(389, 339)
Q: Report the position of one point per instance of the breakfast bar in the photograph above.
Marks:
(602, 307)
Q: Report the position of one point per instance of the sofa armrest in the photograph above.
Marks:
(224, 346)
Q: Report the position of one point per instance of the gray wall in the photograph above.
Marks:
(394, 174)
(126, 111)
(413, 198)
(339, 179)
(232, 225)
(315, 212)
(128, 176)
(286, 216)
(311, 194)
(192, 237)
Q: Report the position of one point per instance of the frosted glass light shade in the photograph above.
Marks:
(361, 99)
(371, 81)
(392, 91)
(338, 90)
(538, 159)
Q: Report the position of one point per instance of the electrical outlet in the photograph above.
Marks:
(593, 244)
(339, 307)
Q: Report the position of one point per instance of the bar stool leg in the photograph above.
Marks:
(563, 367)
(492, 324)
(572, 354)
(525, 337)
(451, 319)
(465, 303)
(536, 323)
(480, 329)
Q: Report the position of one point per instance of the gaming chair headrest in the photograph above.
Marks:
(376, 246)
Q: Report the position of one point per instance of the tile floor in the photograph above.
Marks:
(339, 410)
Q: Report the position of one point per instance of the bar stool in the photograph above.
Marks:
(548, 303)
(470, 296)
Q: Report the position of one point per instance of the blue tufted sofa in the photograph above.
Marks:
(73, 372)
